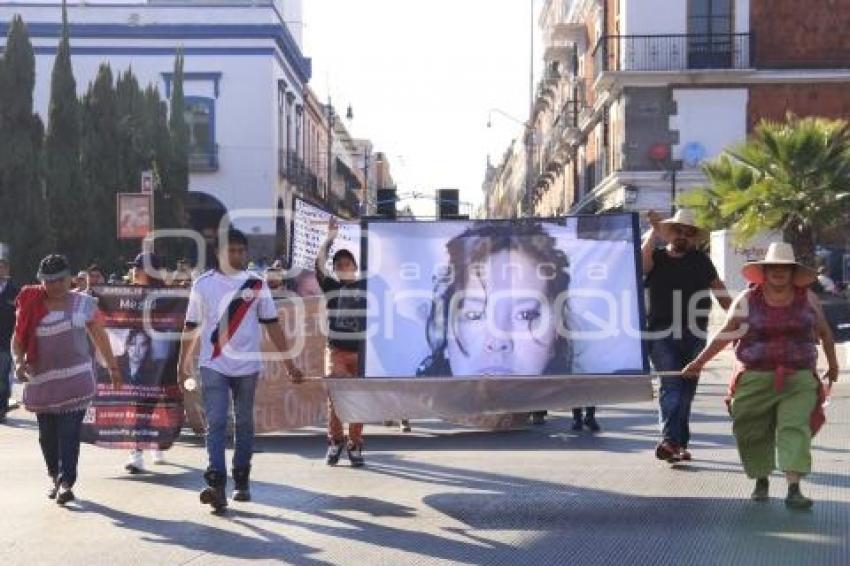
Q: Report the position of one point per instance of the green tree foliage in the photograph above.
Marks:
(67, 215)
(101, 166)
(792, 176)
(23, 220)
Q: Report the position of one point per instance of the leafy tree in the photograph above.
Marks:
(101, 160)
(23, 219)
(792, 176)
(67, 215)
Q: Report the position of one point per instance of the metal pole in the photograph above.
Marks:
(673, 189)
(529, 127)
(329, 185)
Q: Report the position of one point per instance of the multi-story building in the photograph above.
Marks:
(245, 78)
(638, 93)
(504, 183)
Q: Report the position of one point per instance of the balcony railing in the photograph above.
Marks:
(673, 52)
(203, 159)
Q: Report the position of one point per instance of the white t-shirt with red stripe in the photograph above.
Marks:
(229, 311)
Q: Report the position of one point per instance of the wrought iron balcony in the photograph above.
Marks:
(203, 159)
(673, 52)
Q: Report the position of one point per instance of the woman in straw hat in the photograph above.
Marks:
(776, 396)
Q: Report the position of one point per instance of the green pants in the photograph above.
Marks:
(767, 422)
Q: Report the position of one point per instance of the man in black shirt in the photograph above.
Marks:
(680, 278)
(8, 294)
(346, 304)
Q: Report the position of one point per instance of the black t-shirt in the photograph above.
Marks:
(673, 282)
(342, 299)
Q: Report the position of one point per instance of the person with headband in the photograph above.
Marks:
(53, 357)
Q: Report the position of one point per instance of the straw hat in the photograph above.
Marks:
(683, 217)
(779, 253)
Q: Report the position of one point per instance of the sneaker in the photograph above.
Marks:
(796, 499)
(158, 457)
(405, 425)
(355, 455)
(684, 455)
(591, 424)
(136, 462)
(65, 495)
(668, 451)
(762, 490)
(577, 425)
(334, 453)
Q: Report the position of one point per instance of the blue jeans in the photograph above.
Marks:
(59, 436)
(217, 389)
(5, 381)
(677, 393)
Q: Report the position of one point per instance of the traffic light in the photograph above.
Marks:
(387, 203)
(448, 203)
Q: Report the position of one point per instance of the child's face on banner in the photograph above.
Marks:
(503, 322)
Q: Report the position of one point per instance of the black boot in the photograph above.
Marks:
(796, 499)
(762, 490)
(577, 420)
(242, 491)
(214, 494)
(590, 419)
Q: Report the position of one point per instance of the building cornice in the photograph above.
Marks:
(614, 81)
(284, 41)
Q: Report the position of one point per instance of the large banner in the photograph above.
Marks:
(504, 298)
(309, 231)
(143, 325)
(468, 317)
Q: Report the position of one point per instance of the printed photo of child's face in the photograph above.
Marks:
(502, 322)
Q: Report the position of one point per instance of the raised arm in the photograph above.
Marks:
(648, 243)
(322, 256)
(827, 340)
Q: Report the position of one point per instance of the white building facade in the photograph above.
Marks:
(245, 76)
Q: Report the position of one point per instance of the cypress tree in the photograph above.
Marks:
(67, 210)
(23, 221)
(100, 165)
(171, 203)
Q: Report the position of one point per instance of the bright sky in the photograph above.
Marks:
(421, 77)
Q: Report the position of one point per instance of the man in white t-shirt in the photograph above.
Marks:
(227, 308)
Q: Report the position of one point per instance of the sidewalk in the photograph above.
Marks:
(444, 495)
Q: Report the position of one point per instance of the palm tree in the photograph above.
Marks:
(792, 176)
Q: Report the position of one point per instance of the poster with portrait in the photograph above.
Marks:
(134, 216)
(468, 317)
(143, 325)
(309, 231)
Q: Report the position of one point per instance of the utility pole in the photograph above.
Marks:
(529, 133)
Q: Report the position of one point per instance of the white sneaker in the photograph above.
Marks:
(136, 462)
(158, 457)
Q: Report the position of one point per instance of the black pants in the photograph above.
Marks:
(590, 413)
(59, 436)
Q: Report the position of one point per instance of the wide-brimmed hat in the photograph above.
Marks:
(779, 253)
(683, 217)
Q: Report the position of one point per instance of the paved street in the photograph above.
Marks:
(443, 495)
